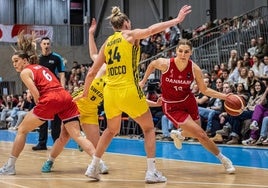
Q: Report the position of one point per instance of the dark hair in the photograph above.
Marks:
(45, 38)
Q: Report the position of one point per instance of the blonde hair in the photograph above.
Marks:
(117, 18)
(27, 48)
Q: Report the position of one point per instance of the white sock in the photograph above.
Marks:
(151, 164)
(11, 160)
(51, 158)
(220, 156)
(95, 160)
(180, 136)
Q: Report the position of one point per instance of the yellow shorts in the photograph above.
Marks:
(88, 112)
(118, 100)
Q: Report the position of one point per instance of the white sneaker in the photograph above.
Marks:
(93, 172)
(177, 138)
(154, 177)
(228, 165)
(249, 142)
(254, 126)
(103, 168)
(9, 119)
(7, 170)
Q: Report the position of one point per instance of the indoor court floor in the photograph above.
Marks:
(190, 167)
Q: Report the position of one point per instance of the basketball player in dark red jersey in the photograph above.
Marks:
(50, 98)
(178, 102)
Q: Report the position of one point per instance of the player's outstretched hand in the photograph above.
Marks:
(186, 9)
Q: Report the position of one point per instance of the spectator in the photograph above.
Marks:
(247, 60)
(260, 111)
(233, 58)
(233, 124)
(257, 67)
(213, 109)
(253, 47)
(167, 126)
(6, 110)
(262, 49)
(243, 77)
(265, 68)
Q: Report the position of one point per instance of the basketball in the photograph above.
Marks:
(234, 105)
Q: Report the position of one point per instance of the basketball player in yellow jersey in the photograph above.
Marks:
(88, 108)
(122, 93)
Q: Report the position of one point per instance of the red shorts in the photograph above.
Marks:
(178, 112)
(56, 102)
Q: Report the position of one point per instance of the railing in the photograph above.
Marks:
(213, 46)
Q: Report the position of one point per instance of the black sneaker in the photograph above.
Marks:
(38, 147)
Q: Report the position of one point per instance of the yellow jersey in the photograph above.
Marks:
(122, 59)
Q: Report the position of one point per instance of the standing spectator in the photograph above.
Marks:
(54, 62)
(262, 48)
(233, 58)
(253, 47)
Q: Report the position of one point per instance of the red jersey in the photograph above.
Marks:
(54, 99)
(176, 84)
(44, 79)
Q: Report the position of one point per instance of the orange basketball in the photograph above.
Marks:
(234, 105)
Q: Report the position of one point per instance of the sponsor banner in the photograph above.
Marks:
(9, 33)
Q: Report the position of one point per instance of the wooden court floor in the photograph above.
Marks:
(124, 171)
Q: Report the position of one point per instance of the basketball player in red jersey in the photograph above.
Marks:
(50, 98)
(178, 102)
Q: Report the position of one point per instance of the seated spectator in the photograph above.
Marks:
(265, 68)
(234, 72)
(263, 140)
(28, 104)
(260, 111)
(251, 78)
(213, 79)
(225, 75)
(257, 67)
(6, 111)
(153, 93)
(13, 114)
(243, 77)
(241, 91)
(167, 126)
(247, 60)
(201, 99)
(213, 109)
